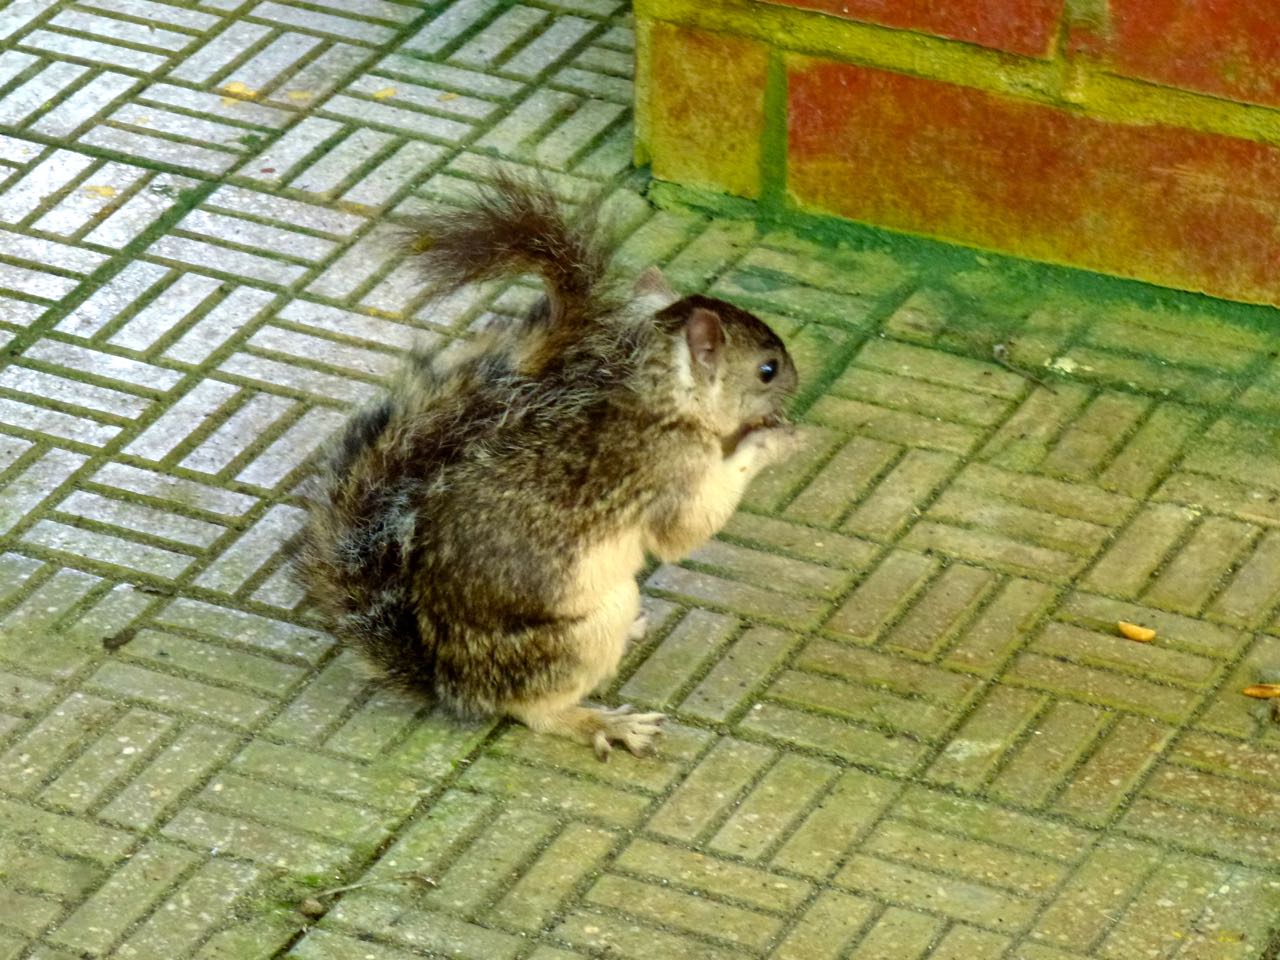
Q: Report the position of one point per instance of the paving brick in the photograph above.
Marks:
(899, 498)
(173, 490)
(1055, 742)
(712, 876)
(896, 426)
(167, 692)
(172, 774)
(826, 928)
(218, 881)
(768, 812)
(35, 483)
(1159, 912)
(694, 642)
(1251, 593)
(928, 588)
(1102, 687)
(1148, 453)
(129, 894)
(247, 839)
(768, 570)
(39, 871)
(1152, 660)
(1193, 574)
(744, 929)
(817, 546)
(327, 945)
(1188, 633)
(710, 791)
(841, 481)
(1002, 627)
(881, 596)
(209, 661)
(41, 614)
(432, 932)
(833, 735)
(822, 695)
(596, 931)
(974, 903)
(481, 873)
(939, 609)
(541, 788)
(49, 743)
(760, 602)
(1132, 558)
(935, 401)
(986, 735)
(121, 750)
(990, 823)
(897, 933)
(1119, 761)
(140, 211)
(777, 482)
(752, 656)
(565, 863)
(1201, 831)
(982, 862)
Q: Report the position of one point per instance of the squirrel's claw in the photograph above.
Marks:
(601, 745)
(635, 731)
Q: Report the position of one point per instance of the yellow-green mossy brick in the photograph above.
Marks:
(706, 108)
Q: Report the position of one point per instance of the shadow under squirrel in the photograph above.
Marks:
(476, 535)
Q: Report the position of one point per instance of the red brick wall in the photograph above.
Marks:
(1227, 48)
(1145, 145)
(1017, 26)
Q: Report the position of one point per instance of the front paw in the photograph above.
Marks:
(765, 445)
(639, 626)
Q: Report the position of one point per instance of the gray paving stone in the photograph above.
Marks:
(901, 721)
(53, 173)
(82, 48)
(140, 211)
(188, 156)
(216, 54)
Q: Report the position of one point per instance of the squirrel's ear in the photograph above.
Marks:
(705, 336)
(651, 280)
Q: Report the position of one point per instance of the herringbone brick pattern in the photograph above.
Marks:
(903, 723)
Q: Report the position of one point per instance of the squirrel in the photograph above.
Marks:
(477, 534)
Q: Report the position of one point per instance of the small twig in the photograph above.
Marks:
(313, 908)
(406, 875)
(1000, 353)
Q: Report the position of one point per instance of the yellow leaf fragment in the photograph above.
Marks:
(235, 92)
(384, 93)
(100, 190)
(1135, 632)
(1262, 691)
(300, 96)
(445, 97)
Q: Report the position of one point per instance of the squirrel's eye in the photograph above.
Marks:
(768, 370)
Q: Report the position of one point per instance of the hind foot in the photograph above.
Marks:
(598, 728)
(635, 731)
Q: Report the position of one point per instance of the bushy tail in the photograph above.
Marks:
(517, 226)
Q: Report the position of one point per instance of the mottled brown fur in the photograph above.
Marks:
(477, 534)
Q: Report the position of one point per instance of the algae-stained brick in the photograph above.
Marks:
(1011, 174)
(1025, 27)
(703, 96)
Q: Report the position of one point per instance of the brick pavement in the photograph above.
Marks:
(902, 722)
